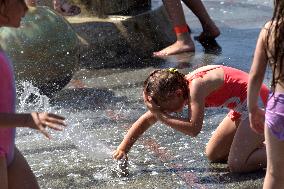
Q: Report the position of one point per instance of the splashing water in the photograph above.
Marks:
(90, 145)
(30, 99)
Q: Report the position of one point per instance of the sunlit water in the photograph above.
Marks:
(99, 114)
(80, 156)
(88, 142)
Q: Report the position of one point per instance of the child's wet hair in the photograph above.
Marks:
(163, 83)
(275, 43)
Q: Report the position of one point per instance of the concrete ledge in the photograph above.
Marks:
(119, 40)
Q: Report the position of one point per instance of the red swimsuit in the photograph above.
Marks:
(233, 93)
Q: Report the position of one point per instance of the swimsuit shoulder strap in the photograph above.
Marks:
(202, 73)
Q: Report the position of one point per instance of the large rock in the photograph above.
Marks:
(102, 8)
(120, 32)
(44, 50)
(122, 40)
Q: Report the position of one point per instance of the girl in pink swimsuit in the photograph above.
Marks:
(14, 169)
(7, 105)
(167, 90)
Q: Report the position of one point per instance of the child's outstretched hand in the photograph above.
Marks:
(118, 154)
(42, 120)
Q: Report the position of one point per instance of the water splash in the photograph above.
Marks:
(77, 132)
(90, 145)
(30, 99)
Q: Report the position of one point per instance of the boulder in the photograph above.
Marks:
(44, 50)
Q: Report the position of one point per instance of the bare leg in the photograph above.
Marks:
(20, 174)
(247, 152)
(3, 173)
(275, 162)
(175, 11)
(210, 30)
(184, 42)
(31, 3)
(218, 147)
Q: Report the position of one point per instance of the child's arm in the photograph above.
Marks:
(136, 130)
(190, 126)
(256, 77)
(193, 124)
(38, 121)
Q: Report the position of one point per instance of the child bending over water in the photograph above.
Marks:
(14, 169)
(167, 91)
(269, 50)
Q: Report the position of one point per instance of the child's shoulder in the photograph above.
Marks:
(270, 25)
(267, 25)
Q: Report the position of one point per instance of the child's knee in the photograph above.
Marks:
(212, 155)
(209, 154)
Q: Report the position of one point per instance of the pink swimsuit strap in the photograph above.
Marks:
(202, 73)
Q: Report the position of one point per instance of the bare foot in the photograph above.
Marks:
(65, 9)
(176, 48)
(210, 32)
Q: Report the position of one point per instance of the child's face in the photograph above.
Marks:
(12, 11)
(174, 104)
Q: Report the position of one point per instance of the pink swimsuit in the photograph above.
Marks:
(7, 105)
(233, 93)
